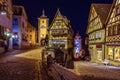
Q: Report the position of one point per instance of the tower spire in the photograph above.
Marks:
(58, 11)
(43, 13)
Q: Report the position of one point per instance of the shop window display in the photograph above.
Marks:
(110, 54)
(117, 54)
(114, 54)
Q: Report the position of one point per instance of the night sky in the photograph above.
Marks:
(77, 11)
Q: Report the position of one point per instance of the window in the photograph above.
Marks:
(95, 22)
(110, 53)
(97, 35)
(15, 21)
(119, 29)
(115, 30)
(92, 36)
(100, 34)
(117, 54)
(109, 31)
(117, 11)
(114, 53)
(58, 23)
(3, 6)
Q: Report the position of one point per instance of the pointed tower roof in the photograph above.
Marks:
(43, 14)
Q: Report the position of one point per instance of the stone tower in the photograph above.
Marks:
(42, 28)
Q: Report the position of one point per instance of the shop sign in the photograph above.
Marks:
(98, 46)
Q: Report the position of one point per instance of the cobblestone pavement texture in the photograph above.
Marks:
(20, 65)
(94, 71)
(86, 71)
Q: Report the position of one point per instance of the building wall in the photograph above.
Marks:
(31, 37)
(96, 34)
(6, 23)
(21, 27)
(113, 35)
(60, 32)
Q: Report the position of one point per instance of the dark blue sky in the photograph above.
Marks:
(77, 11)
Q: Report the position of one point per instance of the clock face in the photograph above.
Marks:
(58, 23)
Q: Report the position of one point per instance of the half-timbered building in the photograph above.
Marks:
(60, 32)
(113, 34)
(96, 31)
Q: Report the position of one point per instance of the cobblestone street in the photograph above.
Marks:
(20, 65)
(86, 71)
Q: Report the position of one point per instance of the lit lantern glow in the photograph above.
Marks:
(3, 13)
(13, 36)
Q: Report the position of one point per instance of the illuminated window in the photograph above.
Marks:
(99, 54)
(93, 37)
(97, 35)
(114, 53)
(100, 34)
(58, 23)
(117, 54)
(110, 53)
(15, 21)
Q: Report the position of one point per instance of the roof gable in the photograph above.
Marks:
(102, 10)
(59, 17)
(98, 11)
(111, 13)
